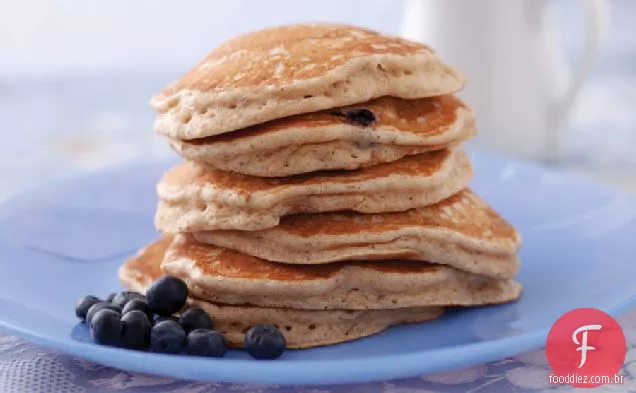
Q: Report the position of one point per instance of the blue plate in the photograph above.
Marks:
(63, 241)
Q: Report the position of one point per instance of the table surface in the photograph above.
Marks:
(111, 124)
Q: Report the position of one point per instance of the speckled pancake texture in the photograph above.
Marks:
(302, 328)
(230, 277)
(194, 198)
(362, 135)
(461, 231)
(293, 69)
(324, 188)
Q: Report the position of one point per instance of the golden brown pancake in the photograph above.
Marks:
(461, 231)
(194, 198)
(302, 328)
(230, 277)
(358, 136)
(293, 69)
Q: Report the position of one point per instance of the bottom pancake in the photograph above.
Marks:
(302, 328)
(311, 328)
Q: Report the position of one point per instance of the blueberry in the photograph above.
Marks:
(358, 116)
(138, 304)
(122, 298)
(167, 337)
(110, 297)
(195, 318)
(135, 330)
(83, 304)
(106, 327)
(265, 342)
(205, 342)
(167, 295)
(99, 306)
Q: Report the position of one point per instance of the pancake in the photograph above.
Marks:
(195, 198)
(461, 231)
(311, 328)
(230, 277)
(293, 69)
(378, 131)
(302, 328)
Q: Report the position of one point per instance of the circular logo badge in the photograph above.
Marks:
(586, 348)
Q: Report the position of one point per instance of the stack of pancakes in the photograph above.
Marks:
(324, 188)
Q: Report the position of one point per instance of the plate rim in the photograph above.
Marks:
(332, 371)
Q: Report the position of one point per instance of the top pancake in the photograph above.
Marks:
(361, 135)
(292, 69)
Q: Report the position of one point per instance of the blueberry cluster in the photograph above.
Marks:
(135, 321)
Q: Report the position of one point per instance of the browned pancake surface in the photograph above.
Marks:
(423, 117)
(285, 54)
(146, 265)
(219, 262)
(188, 173)
(464, 212)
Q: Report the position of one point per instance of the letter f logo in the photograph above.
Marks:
(583, 344)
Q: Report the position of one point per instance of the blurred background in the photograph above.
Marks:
(76, 77)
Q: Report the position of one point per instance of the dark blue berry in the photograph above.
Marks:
(122, 298)
(135, 330)
(167, 295)
(265, 342)
(137, 304)
(83, 304)
(195, 318)
(167, 337)
(110, 297)
(105, 327)
(100, 306)
(205, 342)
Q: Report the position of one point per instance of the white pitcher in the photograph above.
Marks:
(518, 81)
